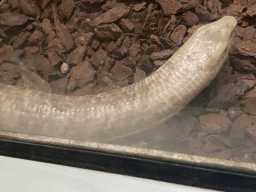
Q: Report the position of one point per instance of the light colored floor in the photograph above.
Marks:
(18, 175)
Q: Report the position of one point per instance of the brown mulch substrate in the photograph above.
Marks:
(82, 47)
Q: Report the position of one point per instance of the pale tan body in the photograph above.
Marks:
(128, 110)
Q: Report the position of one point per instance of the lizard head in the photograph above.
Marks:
(210, 44)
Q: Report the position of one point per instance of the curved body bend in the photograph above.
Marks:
(127, 110)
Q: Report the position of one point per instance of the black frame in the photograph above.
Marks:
(150, 168)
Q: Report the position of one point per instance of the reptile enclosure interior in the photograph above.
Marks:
(118, 53)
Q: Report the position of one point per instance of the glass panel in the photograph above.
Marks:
(153, 89)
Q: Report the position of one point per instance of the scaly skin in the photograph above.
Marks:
(127, 110)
